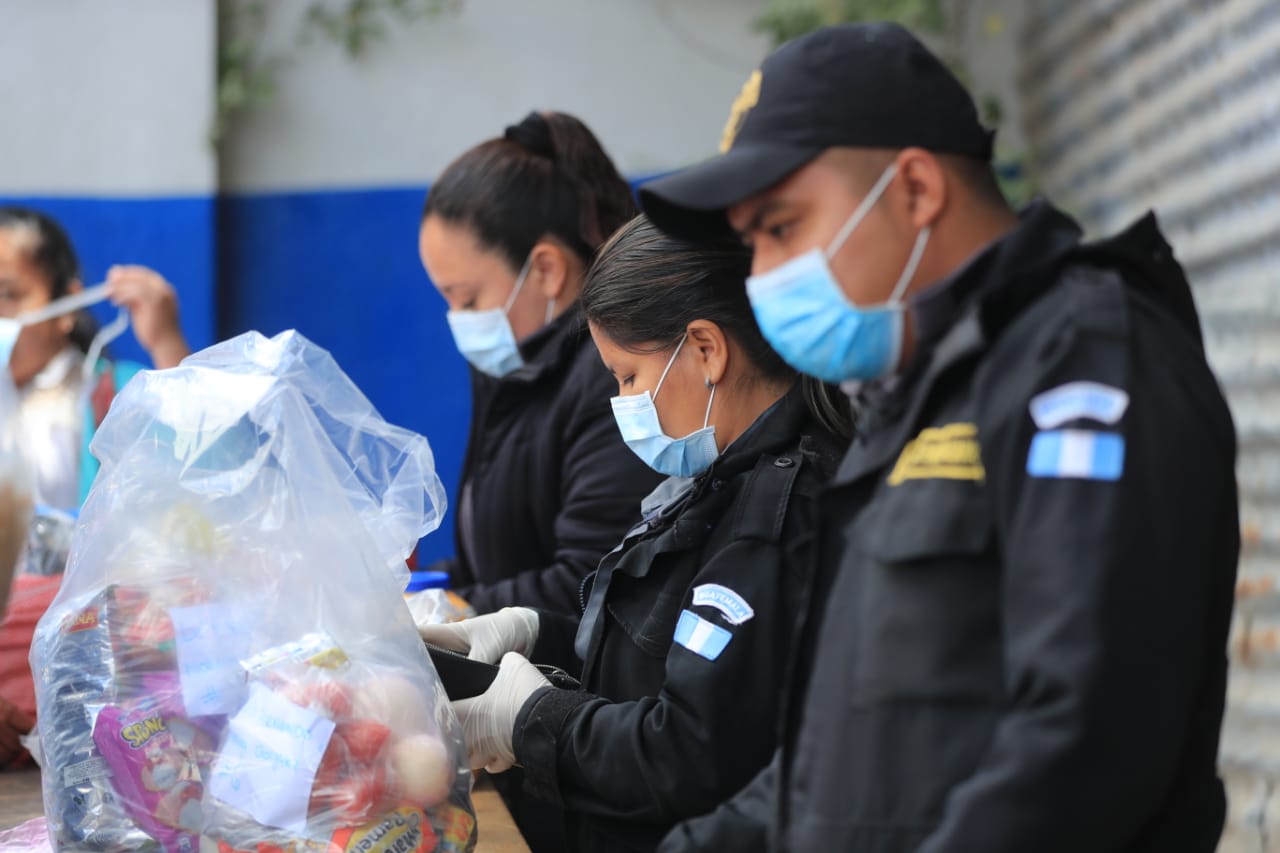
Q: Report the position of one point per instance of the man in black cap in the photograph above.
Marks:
(1027, 560)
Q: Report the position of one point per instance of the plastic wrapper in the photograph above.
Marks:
(437, 606)
(228, 665)
(15, 487)
(48, 542)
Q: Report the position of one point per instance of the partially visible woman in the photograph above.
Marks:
(685, 641)
(58, 412)
(547, 485)
(60, 405)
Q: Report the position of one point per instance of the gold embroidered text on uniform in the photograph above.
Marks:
(940, 453)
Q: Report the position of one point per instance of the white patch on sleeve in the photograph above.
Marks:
(1075, 400)
(734, 607)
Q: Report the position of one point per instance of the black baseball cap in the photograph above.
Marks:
(870, 85)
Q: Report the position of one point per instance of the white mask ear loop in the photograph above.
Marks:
(909, 271)
(670, 362)
(524, 273)
(105, 335)
(863, 208)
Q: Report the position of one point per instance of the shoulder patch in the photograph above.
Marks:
(1093, 400)
(1077, 454)
(701, 636)
(734, 607)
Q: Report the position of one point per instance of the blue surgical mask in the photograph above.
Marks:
(637, 418)
(485, 338)
(808, 320)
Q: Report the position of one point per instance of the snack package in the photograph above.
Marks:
(229, 664)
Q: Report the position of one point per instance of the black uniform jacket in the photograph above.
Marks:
(688, 628)
(548, 486)
(1027, 561)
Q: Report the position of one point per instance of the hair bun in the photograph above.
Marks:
(533, 133)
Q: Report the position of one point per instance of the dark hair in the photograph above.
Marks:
(55, 258)
(645, 287)
(546, 176)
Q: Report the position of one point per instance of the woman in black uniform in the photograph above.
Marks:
(687, 626)
(547, 486)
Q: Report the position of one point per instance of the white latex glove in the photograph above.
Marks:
(489, 720)
(487, 637)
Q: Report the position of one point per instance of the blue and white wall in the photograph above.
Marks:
(306, 216)
(105, 119)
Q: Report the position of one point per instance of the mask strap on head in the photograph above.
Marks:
(909, 271)
(105, 335)
(670, 362)
(524, 273)
(706, 419)
(863, 208)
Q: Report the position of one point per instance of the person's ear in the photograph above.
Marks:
(711, 345)
(921, 187)
(549, 268)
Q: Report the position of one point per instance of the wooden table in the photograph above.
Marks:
(20, 801)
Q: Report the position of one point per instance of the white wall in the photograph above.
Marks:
(653, 78)
(106, 98)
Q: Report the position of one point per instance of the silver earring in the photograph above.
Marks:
(709, 382)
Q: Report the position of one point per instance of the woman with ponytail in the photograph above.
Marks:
(547, 485)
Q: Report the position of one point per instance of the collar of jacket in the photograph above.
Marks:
(953, 325)
(1042, 238)
(551, 348)
(776, 428)
(670, 529)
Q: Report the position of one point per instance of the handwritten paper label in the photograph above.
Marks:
(269, 760)
(210, 640)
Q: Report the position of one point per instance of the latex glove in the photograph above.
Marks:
(487, 637)
(489, 720)
(153, 312)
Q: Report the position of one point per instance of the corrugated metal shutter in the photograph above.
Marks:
(1175, 105)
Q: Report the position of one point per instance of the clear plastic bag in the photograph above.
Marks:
(15, 487)
(437, 607)
(229, 663)
(29, 837)
(48, 542)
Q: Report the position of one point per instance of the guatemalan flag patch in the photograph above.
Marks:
(1076, 454)
(701, 636)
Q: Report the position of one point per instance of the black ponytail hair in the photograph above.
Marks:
(546, 176)
(49, 249)
(645, 287)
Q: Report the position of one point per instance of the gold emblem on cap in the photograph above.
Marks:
(742, 105)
